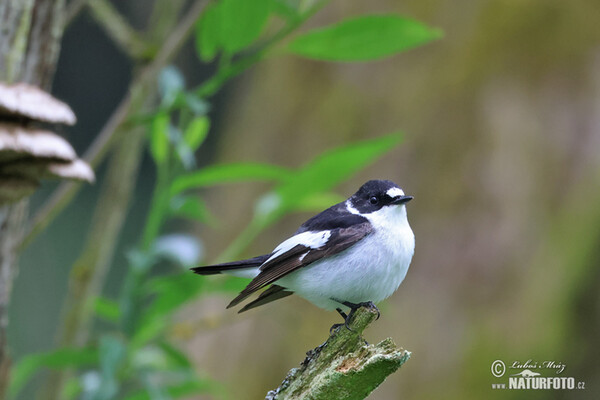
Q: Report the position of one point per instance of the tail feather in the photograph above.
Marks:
(274, 292)
(230, 266)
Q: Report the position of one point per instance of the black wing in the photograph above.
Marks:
(300, 256)
(336, 216)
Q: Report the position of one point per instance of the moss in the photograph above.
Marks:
(344, 367)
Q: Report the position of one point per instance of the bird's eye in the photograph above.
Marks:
(374, 200)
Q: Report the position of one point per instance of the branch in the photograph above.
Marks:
(117, 28)
(73, 9)
(98, 149)
(89, 271)
(95, 154)
(344, 367)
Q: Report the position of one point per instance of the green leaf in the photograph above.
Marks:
(196, 131)
(242, 22)
(192, 208)
(170, 292)
(227, 173)
(56, 359)
(229, 284)
(107, 309)
(73, 388)
(320, 175)
(189, 388)
(159, 138)
(208, 32)
(230, 25)
(331, 168)
(148, 329)
(175, 356)
(318, 202)
(363, 38)
(169, 284)
(284, 9)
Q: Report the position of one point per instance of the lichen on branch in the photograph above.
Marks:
(345, 367)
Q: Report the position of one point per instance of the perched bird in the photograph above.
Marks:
(353, 254)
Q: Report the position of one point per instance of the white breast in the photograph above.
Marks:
(370, 270)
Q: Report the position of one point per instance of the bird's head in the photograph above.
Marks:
(377, 194)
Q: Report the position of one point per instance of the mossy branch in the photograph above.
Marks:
(344, 367)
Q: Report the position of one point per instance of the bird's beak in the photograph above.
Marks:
(402, 199)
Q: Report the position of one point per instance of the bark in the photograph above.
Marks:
(344, 367)
(30, 36)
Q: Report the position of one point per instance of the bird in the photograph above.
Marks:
(354, 254)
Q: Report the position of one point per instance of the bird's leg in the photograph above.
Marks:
(353, 307)
(356, 306)
(335, 326)
(343, 314)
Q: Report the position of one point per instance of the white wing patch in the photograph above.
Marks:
(395, 192)
(313, 240)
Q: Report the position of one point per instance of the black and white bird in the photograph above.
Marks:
(353, 254)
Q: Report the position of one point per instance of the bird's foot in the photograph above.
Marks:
(334, 327)
(372, 306)
(353, 307)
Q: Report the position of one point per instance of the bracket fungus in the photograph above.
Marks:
(29, 149)
(23, 101)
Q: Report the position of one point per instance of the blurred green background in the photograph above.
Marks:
(501, 151)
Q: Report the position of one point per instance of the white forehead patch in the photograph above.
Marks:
(395, 192)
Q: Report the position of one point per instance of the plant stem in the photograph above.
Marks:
(73, 9)
(95, 154)
(138, 268)
(110, 212)
(158, 208)
(89, 272)
(242, 241)
(231, 70)
(97, 151)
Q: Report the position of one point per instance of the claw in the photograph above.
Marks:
(371, 305)
(346, 324)
(334, 327)
(353, 307)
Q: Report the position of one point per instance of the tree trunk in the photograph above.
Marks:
(30, 35)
